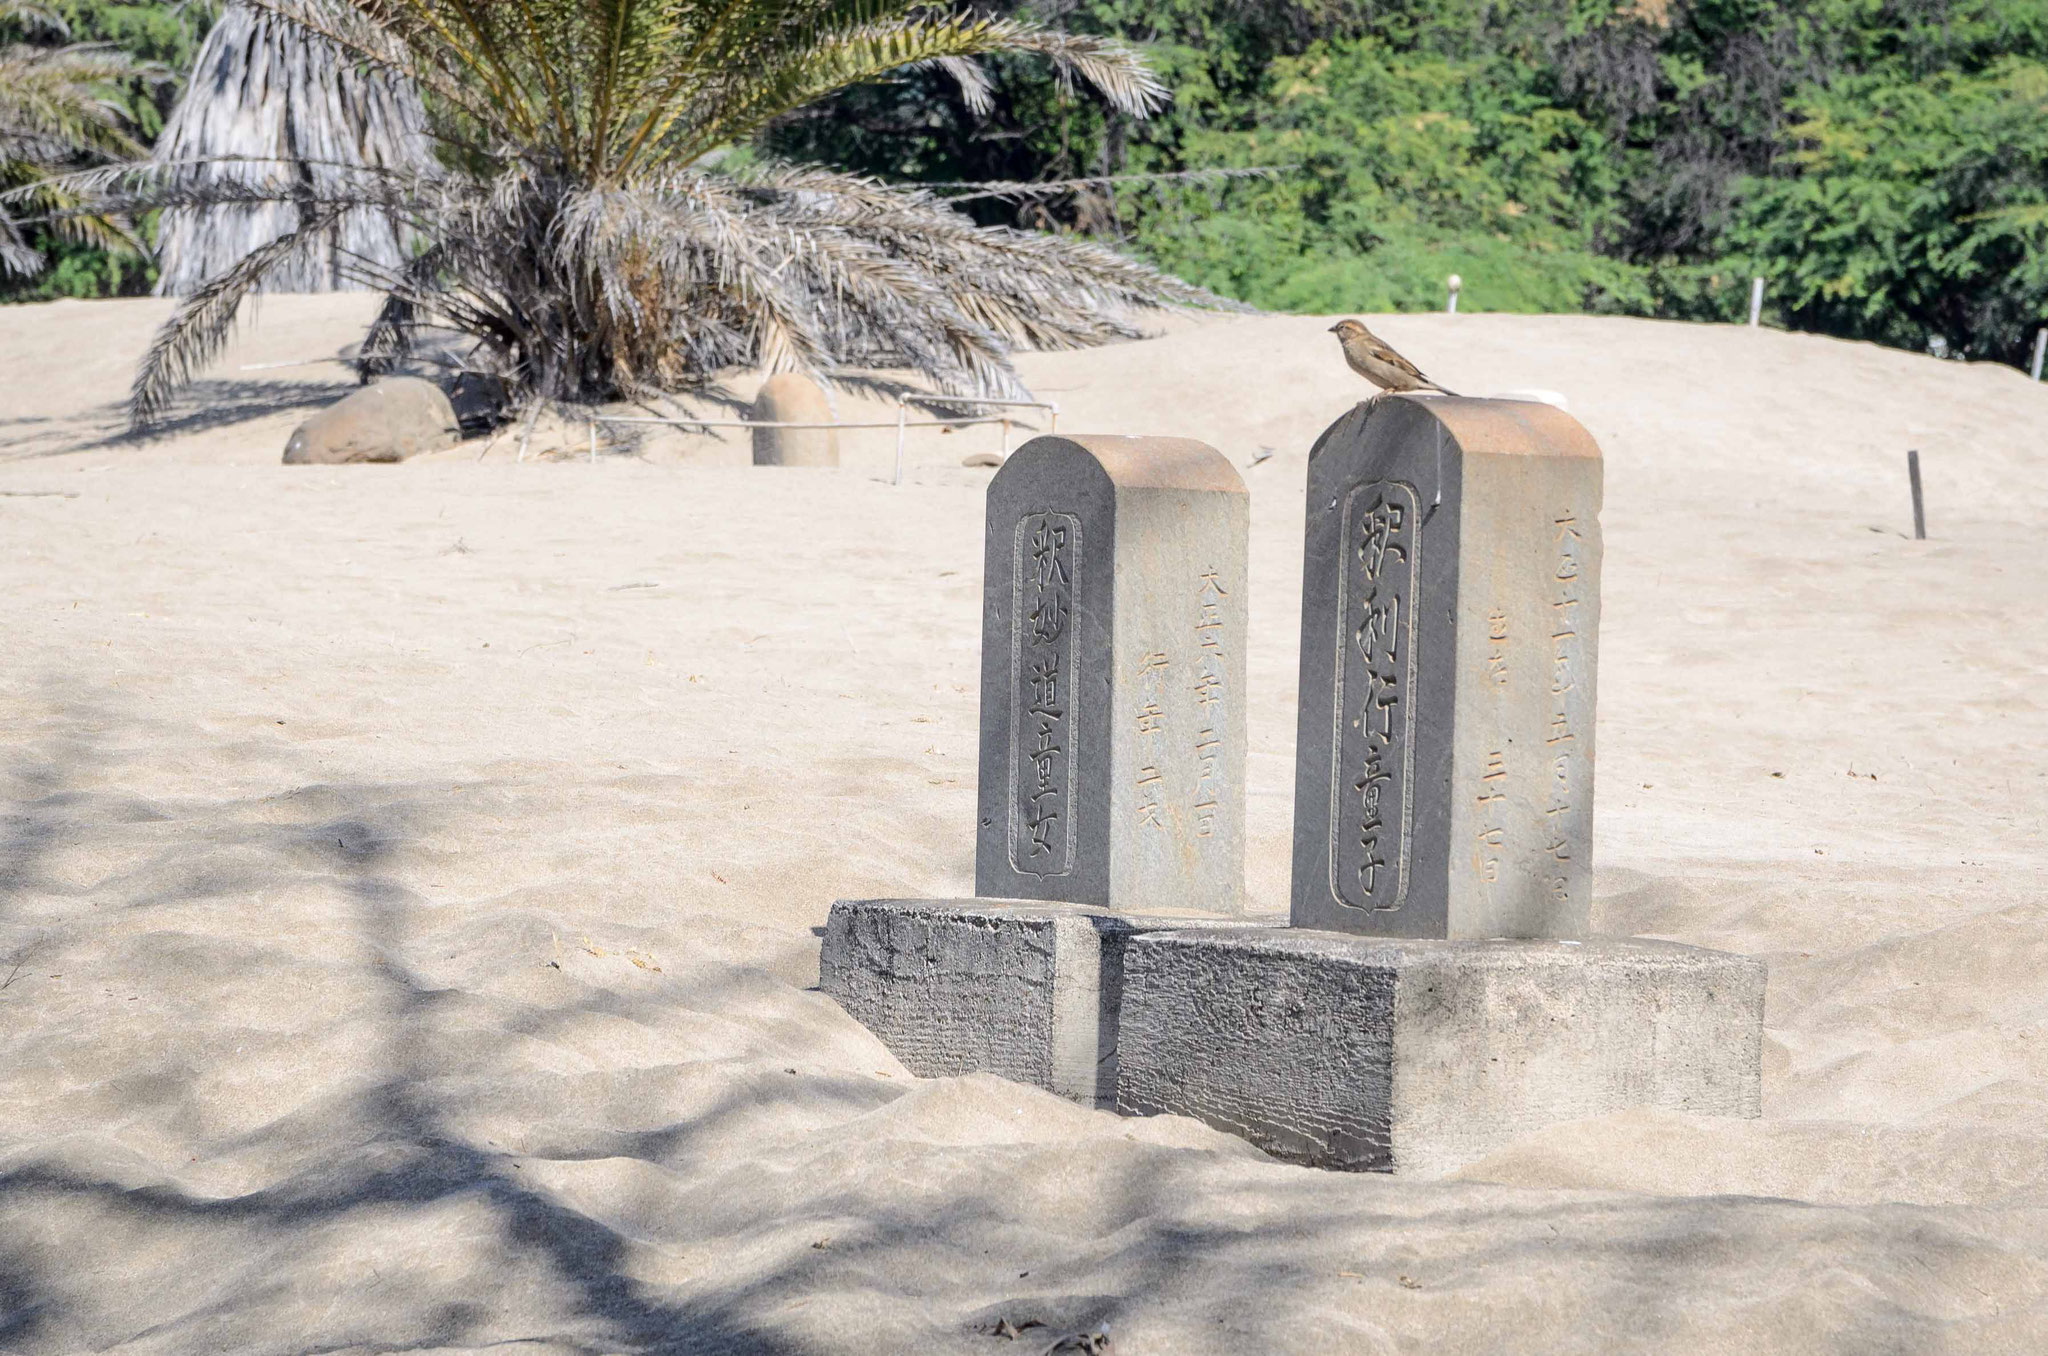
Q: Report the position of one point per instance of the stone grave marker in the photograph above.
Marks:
(1112, 678)
(1450, 604)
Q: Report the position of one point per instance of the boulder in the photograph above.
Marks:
(395, 419)
(792, 397)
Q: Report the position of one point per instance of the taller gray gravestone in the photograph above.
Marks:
(1112, 676)
(1450, 605)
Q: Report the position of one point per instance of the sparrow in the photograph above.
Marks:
(1371, 357)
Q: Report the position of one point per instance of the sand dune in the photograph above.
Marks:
(408, 876)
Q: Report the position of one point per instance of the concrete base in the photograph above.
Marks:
(1417, 1056)
(1020, 988)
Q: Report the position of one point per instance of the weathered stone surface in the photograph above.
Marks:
(1026, 990)
(397, 418)
(1112, 687)
(1450, 608)
(1418, 1055)
(794, 398)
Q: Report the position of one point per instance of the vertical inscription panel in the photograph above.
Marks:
(1177, 730)
(1528, 648)
(1379, 592)
(1373, 711)
(1044, 694)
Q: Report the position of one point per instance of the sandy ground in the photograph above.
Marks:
(409, 880)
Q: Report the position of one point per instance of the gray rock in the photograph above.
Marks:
(399, 417)
(1360, 1053)
(794, 398)
(1450, 611)
(1112, 676)
(1024, 990)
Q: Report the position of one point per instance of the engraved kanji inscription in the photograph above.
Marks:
(1374, 707)
(1043, 693)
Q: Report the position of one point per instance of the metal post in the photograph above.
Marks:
(593, 444)
(899, 442)
(2040, 345)
(1454, 282)
(1756, 302)
(1919, 509)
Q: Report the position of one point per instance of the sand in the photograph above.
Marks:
(410, 875)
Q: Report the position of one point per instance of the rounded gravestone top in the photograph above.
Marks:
(1132, 462)
(792, 398)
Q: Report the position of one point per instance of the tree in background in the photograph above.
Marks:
(1560, 154)
(580, 230)
(1913, 209)
(265, 97)
(62, 105)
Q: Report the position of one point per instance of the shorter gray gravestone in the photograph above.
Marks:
(1112, 676)
(1450, 606)
(790, 397)
(399, 417)
(1418, 1056)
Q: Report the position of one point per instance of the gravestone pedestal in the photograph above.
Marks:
(1030, 991)
(1341, 1051)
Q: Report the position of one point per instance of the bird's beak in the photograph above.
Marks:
(1338, 326)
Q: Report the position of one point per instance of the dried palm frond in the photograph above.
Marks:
(270, 97)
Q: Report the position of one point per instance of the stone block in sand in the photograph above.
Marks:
(1026, 990)
(1373, 1054)
(399, 417)
(790, 397)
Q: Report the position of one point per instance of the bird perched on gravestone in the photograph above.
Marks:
(1374, 359)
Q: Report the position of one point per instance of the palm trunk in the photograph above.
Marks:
(261, 88)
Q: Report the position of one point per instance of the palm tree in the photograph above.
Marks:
(266, 95)
(589, 229)
(58, 105)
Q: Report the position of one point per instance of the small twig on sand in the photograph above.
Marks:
(17, 970)
(38, 494)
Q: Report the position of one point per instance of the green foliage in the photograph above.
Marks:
(1558, 154)
(1880, 161)
(63, 106)
(1912, 208)
(1405, 169)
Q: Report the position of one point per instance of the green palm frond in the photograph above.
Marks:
(58, 106)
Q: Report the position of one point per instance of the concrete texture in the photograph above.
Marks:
(794, 398)
(1418, 1055)
(1112, 676)
(1025, 990)
(399, 417)
(1450, 608)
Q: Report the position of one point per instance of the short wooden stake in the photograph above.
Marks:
(1919, 507)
